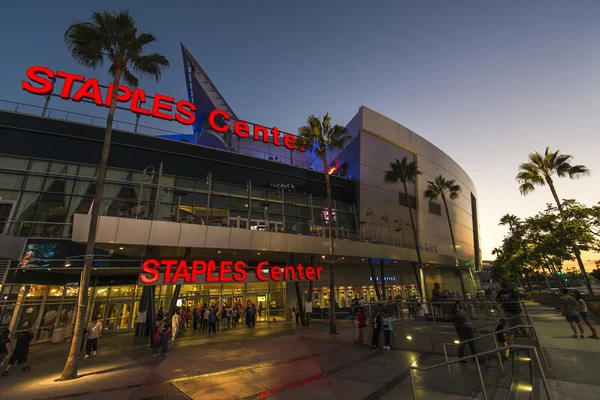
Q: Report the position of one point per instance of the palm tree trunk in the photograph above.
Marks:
(575, 248)
(374, 278)
(70, 369)
(416, 268)
(462, 282)
(330, 231)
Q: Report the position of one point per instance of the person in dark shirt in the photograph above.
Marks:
(5, 351)
(509, 300)
(504, 338)
(21, 350)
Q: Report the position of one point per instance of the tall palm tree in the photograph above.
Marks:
(444, 188)
(320, 136)
(511, 220)
(110, 37)
(407, 172)
(539, 172)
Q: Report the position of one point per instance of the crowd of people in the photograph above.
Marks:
(204, 318)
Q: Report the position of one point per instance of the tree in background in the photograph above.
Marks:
(320, 136)
(112, 37)
(407, 172)
(539, 171)
(445, 189)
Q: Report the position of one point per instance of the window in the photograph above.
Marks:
(435, 208)
(403, 202)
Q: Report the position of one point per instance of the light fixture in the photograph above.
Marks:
(258, 254)
(49, 269)
(363, 259)
(121, 248)
(409, 338)
(456, 341)
(524, 358)
(323, 257)
(342, 258)
(219, 251)
(67, 264)
(95, 269)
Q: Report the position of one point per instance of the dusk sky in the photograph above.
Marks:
(487, 82)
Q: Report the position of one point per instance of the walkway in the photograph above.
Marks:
(574, 361)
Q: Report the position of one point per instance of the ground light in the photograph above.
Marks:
(525, 388)
(524, 358)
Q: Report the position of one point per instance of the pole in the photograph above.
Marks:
(139, 202)
(249, 189)
(137, 121)
(387, 219)
(356, 222)
(334, 215)
(157, 195)
(283, 208)
(48, 97)
(312, 217)
(370, 212)
(178, 206)
(209, 182)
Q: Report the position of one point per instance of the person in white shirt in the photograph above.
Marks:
(94, 332)
(176, 324)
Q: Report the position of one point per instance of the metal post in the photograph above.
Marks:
(412, 385)
(48, 97)
(499, 356)
(334, 215)
(312, 217)
(370, 212)
(178, 206)
(283, 208)
(537, 340)
(446, 356)
(387, 219)
(481, 379)
(209, 183)
(356, 222)
(137, 121)
(268, 299)
(249, 189)
(157, 196)
(139, 202)
(543, 375)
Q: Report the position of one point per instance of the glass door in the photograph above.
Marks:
(118, 316)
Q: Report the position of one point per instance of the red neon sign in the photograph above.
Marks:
(161, 106)
(222, 271)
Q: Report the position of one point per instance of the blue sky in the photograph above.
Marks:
(486, 82)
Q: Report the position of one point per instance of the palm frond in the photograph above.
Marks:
(150, 65)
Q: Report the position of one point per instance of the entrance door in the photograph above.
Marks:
(6, 208)
(118, 316)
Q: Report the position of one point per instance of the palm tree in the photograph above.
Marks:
(511, 220)
(539, 172)
(407, 172)
(441, 187)
(112, 37)
(320, 136)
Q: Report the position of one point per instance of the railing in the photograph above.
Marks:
(493, 334)
(476, 357)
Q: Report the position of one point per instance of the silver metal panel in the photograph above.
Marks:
(133, 231)
(164, 233)
(280, 242)
(260, 240)
(217, 237)
(309, 244)
(81, 226)
(107, 230)
(240, 239)
(192, 235)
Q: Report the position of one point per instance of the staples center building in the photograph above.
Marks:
(232, 211)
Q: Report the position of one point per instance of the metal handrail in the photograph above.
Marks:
(505, 318)
(476, 357)
(493, 334)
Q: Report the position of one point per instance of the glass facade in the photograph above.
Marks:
(40, 197)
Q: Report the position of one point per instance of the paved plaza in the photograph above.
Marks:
(279, 362)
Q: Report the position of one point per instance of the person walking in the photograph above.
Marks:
(206, 316)
(464, 330)
(195, 319)
(360, 324)
(253, 314)
(570, 309)
(176, 324)
(235, 316)
(388, 330)
(212, 321)
(504, 338)
(509, 299)
(376, 331)
(165, 336)
(156, 341)
(19, 355)
(5, 350)
(585, 315)
(94, 332)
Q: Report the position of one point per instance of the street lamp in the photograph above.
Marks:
(401, 223)
(370, 213)
(386, 219)
(148, 173)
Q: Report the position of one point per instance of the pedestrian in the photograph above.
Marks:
(247, 314)
(388, 330)
(195, 319)
(19, 355)
(160, 315)
(94, 333)
(464, 330)
(509, 299)
(504, 338)
(360, 324)
(570, 309)
(224, 317)
(212, 321)
(585, 315)
(5, 350)
(176, 324)
(376, 331)
(205, 319)
(165, 335)
(253, 315)
(157, 341)
(297, 313)
(235, 316)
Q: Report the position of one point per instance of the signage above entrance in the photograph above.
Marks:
(160, 106)
(201, 271)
